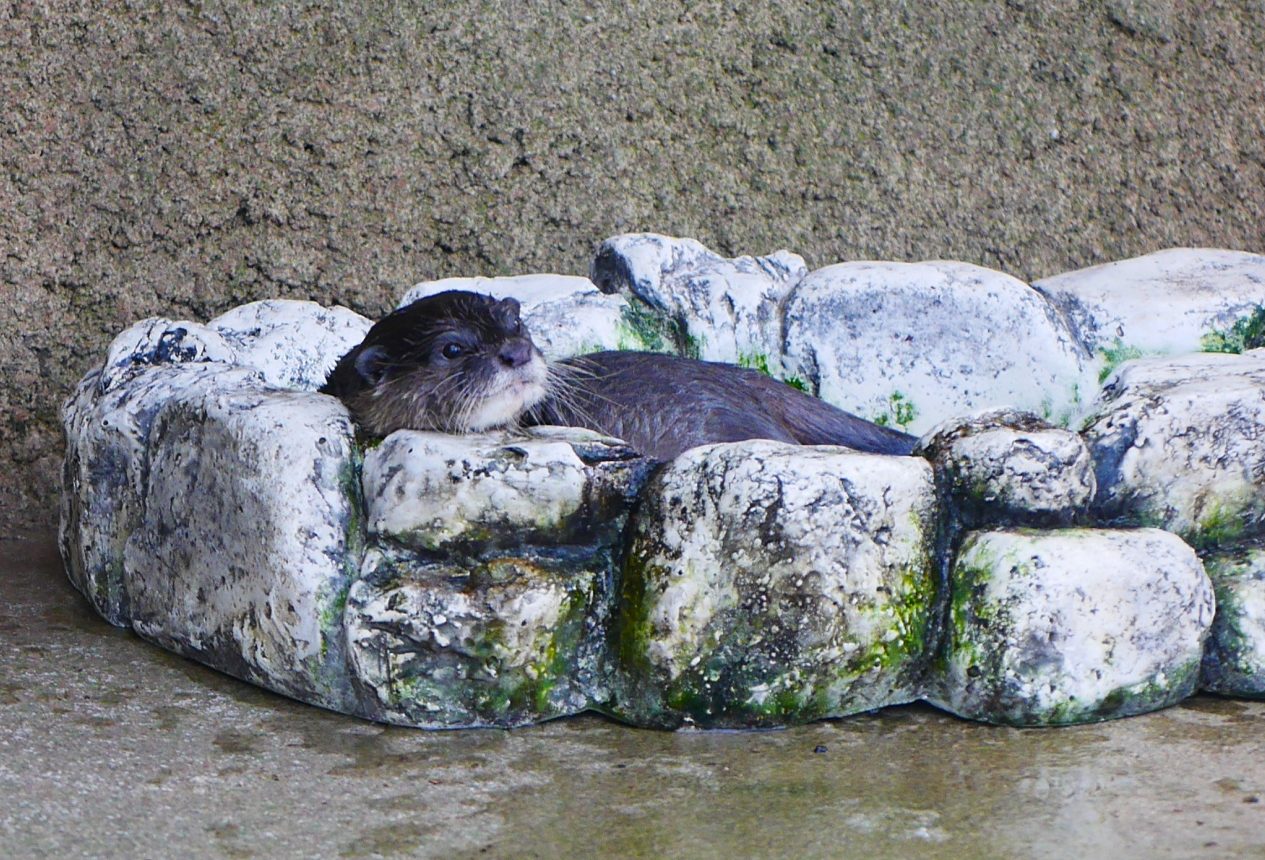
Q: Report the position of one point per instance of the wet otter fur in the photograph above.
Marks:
(463, 362)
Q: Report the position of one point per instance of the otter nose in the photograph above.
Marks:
(515, 353)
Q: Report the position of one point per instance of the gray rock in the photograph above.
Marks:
(770, 584)
(1234, 659)
(291, 343)
(1180, 443)
(505, 641)
(1170, 302)
(249, 535)
(1004, 466)
(565, 315)
(1069, 626)
(107, 454)
(715, 308)
(914, 344)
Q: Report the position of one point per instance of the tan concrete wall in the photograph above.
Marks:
(180, 158)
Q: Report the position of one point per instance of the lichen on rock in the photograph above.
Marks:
(1234, 660)
(1072, 625)
(1180, 443)
(769, 584)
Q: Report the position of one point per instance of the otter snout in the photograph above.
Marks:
(515, 353)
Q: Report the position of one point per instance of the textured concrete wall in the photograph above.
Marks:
(179, 158)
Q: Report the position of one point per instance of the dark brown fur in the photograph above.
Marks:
(660, 404)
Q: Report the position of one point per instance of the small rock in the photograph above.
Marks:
(435, 490)
(1004, 466)
(1179, 443)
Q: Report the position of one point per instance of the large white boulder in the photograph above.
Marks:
(914, 344)
(249, 535)
(1169, 302)
(716, 308)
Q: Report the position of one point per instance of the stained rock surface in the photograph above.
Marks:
(1064, 626)
(1180, 443)
(914, 344)
(717, 309)
(769, 583)
(487, 593)
(1005, 465)
(1234, 663)
(1170, 302)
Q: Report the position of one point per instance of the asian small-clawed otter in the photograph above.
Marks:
(463, 362)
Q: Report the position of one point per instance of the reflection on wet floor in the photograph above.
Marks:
(109, 745)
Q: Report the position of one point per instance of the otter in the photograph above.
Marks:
(459, 361)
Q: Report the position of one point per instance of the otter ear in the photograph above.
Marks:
(509, 311)
(371, 364)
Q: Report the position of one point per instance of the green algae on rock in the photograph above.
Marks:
(1234, 661)
(1071, 625)
(770, 584)
(508, 641)
(1179, 443)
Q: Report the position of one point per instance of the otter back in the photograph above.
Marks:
(664, 404)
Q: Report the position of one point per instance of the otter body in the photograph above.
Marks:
(459, 362)
(664, 404)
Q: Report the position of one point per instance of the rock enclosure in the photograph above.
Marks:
(1086, 482)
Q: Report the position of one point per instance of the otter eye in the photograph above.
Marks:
(451, 351)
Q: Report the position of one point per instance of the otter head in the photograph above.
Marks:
(455, 361)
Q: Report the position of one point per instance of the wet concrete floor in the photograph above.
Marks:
(110, 747)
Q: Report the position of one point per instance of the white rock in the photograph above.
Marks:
(1174, 301)
(1002, 465)
(771, 583)
(107, 453)
(293, 344)
(728, 309)
(1066, 626)
(566, 315)
(160, 341)
(1234, 659)
(912, 344)
(1180, 443)
(249, 535)
(426, 490)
